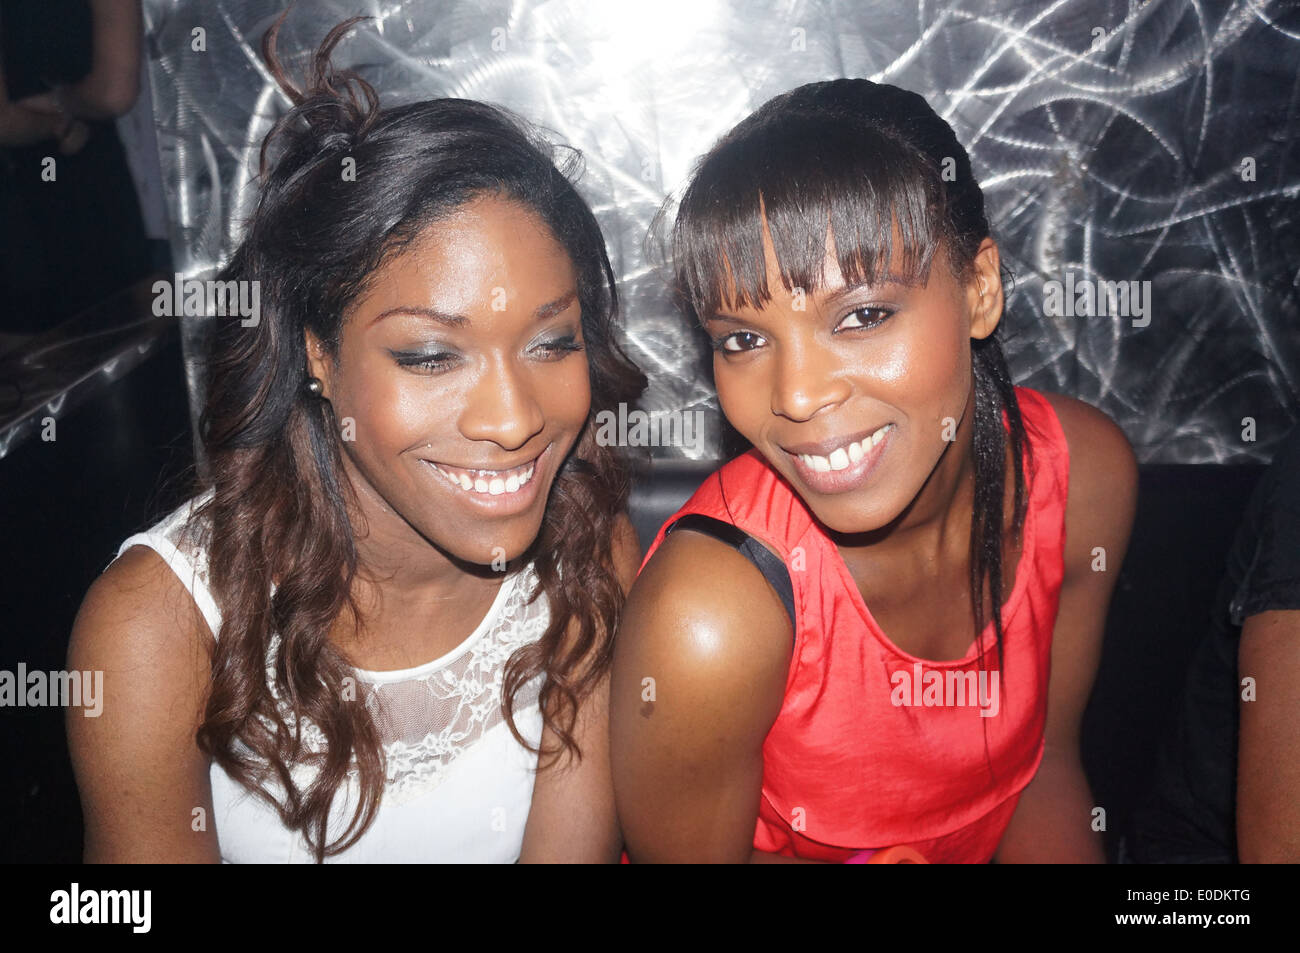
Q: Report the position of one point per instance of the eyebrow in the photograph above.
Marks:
(548, 310)
(832, 297)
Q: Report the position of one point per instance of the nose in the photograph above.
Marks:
(502, 407)
(807, 380)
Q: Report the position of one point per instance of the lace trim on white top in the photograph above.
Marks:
(427, 716)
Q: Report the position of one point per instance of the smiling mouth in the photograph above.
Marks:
(487, 482)
(845, 456)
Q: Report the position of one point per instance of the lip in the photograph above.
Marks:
(824, 448)
(850, 478)
(504, 504)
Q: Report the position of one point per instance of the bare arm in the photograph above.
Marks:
(139, 771)
(700, 668)
(1268, 755)
(22, 127)
(1053, 820)
(572, 817)
(110, 88)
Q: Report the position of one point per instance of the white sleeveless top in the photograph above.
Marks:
(458, 785)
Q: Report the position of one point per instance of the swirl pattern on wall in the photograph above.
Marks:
(1122, 142)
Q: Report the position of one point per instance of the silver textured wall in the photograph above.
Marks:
(1135, 141)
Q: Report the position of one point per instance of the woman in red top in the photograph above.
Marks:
(803, 671)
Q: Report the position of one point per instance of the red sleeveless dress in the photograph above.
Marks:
(874, 747)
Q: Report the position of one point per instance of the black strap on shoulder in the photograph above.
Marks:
(767, 562)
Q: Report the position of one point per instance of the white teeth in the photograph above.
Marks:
(844, 457)
(491, 485)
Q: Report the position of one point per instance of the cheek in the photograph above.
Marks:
(388, 406)
(933, 384)
(742, 398)
(565, 391)
(560, 392)
(925, 362)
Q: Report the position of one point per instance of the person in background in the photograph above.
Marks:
(1228, 785)
(68, 69)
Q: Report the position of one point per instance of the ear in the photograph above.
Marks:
(984, 292)
(319, 363)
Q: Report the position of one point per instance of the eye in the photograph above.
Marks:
(858, 319)
(738, 342)
(429, 362)
(557, 347)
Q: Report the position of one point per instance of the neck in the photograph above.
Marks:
(397, 568)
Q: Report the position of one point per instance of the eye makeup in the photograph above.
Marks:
(437, 357)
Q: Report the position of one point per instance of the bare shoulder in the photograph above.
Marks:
(136, 602)
(700, 668)
(1103, 479)
(139, 771)
(702, 617)
(140, 626)
(1091, 429)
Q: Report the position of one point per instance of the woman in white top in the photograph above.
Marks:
(400, 578)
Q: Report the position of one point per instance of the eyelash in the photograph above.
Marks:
(563, 345)
(432, 363)
(719, 344)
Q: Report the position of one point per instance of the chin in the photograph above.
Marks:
(846, 519)
(491, 548)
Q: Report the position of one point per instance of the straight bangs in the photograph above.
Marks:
(806, 176)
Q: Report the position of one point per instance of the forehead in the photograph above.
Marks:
(488, 247)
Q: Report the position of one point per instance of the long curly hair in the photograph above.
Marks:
(861, 157)
(278, 511)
